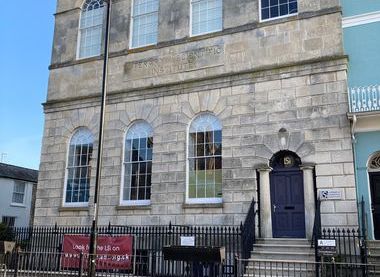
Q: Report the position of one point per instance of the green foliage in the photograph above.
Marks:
(6, 233)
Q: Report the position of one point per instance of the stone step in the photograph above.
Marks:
(283, 248)
(282, 255)
(374, 251)
(373, 243)
(276, 249)
(283, 241)
(374, 259)
(284, 268)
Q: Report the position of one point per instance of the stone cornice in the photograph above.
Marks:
(328, 63)
(67, 11)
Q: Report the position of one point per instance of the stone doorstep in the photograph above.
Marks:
(283, 241)
(283, 250)
(283, 256)
(258, 248)
(285, 268)
(373, 243)
(373, 247)
(374, 251)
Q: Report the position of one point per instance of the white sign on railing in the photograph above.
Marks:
(187, 241)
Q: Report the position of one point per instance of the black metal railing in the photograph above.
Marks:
(259, 268)
(248, 231)
(148, 242)
(317, 230)
(25, 264)
(363, 231)
(350, 242)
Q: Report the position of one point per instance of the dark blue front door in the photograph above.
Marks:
(288, 207)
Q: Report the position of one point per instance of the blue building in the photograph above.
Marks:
(361, 30)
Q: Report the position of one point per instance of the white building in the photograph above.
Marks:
(17, 194)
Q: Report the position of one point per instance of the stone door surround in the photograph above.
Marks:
(265, 201)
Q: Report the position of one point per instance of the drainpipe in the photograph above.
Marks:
(354, 120)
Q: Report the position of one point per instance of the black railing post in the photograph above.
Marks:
(317, 234)
(236, 266)
(16, 263)
(80, 269)
(364, 232)
(363, 238)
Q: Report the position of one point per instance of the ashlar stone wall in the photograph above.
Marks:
(309, 101)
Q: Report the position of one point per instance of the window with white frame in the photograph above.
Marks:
(205, 159)
(277, 8)
(91, 28)
(18, 192)
(206, 16)
(138, 164)
(144, 22)
(78, 167)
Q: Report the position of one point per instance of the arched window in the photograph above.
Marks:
(78, 167)
(91, 28)
(138, 164)
(205, 160)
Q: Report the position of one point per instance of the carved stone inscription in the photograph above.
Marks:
(200, 58)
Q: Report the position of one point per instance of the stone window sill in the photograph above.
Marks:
(202, 205)
(73, 209)
(133, 207)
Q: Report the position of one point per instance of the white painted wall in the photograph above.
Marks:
(7, 208)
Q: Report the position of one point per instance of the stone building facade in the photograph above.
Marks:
(276, 86)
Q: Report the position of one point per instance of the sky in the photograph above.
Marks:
(26, 35)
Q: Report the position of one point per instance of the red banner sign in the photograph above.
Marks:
(112, 252)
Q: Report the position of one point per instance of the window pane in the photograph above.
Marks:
(147, 195)
(218, 189)
(78, 167)
(192, 191)
(206, 167)
(275, 8)
(128, 150)
(265, 13)
(200, 138)
(210, 190)
(274, 11)
(200, 150)
(91, 26)
(209, 149)
(145, 22)
(138, 170)
(206, 16)
(210, 177)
